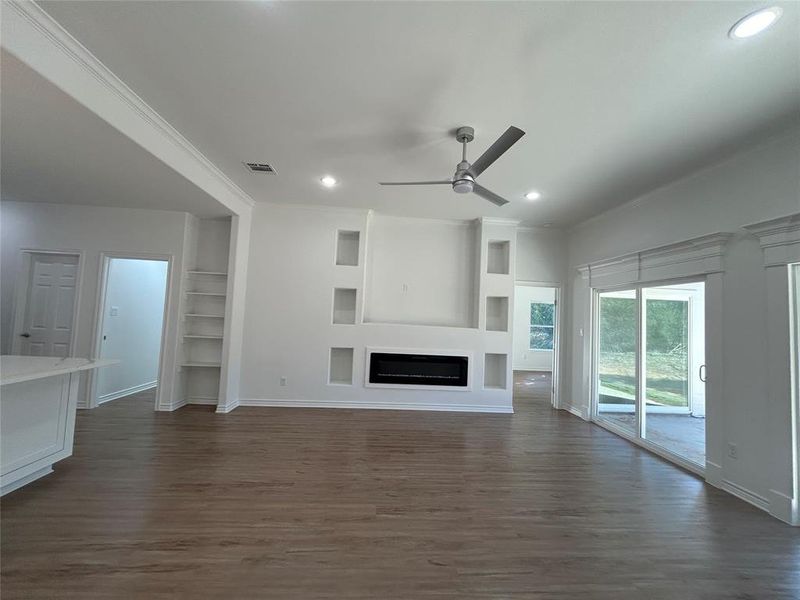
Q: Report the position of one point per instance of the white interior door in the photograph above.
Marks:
(50, 305)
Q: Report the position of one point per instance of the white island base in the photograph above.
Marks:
(38, 402)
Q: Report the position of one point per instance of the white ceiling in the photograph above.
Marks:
(616, 98)
(55, 150)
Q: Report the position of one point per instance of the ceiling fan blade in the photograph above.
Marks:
(438, 182)
(487, 195)
(496, 150)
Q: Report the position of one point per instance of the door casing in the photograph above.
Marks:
(102, 284)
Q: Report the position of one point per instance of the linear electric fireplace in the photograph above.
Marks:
(397, 369)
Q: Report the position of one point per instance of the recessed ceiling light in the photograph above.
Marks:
(328, 181)
(533, 195)
(755, 22)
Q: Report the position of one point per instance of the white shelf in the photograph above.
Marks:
(217, 294)
(204, 316)
(214, 273)
(202, 364)
(192, 336)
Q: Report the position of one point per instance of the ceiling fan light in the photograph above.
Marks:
(462, 186)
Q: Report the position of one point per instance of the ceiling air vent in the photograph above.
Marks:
(259, 167)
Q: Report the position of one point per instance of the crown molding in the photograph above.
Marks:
(779, 239)
(34, 37)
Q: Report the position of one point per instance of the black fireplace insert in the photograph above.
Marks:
(418, 369)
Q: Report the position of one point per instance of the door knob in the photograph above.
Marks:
(24, 335)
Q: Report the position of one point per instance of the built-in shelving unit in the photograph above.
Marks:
(205, 298)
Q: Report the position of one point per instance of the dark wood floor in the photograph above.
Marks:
(305, 504)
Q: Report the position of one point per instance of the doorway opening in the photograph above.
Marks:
(130, 327)
(46, 304)
(535, 337)
(650, 368)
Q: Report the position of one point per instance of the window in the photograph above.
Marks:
(542, 315)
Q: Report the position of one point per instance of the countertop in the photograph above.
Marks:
(16, 369)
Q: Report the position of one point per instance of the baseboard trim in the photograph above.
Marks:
(783, 507)
(744, 494)
(226, 408)
(284, 403)
(127, 392)
(575, 411)
(173, 407)
(31, 477)
(194, 400)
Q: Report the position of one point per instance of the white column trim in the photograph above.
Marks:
(780, 243)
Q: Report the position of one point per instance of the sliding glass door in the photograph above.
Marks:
(650, 366)
(617, 376)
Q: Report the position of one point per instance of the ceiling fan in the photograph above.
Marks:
(463, 181)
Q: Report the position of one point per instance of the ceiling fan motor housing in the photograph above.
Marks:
(462, 180)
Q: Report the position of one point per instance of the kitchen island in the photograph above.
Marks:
(38, 401)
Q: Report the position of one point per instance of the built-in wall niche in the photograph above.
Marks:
(497, 257)
(347, 248)
(422, 272)
(340, 370)
(494, 371)
(344, 306)
(497, 313)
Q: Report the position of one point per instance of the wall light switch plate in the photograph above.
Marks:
(114, 311)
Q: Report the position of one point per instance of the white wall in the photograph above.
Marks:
(90, 230)
(132, 325)
(289, 334)
(541, 255)
(526, 359)
(755, 185)
(418, 271)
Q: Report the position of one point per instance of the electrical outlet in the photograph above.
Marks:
(283, 381)
(733, 451)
